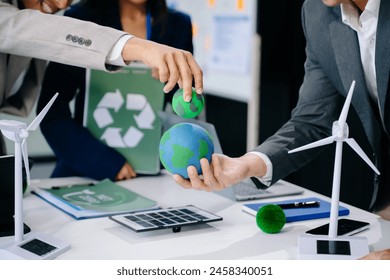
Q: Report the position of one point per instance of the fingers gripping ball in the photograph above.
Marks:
(185, 144)
(270, 218)
(187, 109)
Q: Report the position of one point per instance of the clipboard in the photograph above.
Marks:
(121, 110)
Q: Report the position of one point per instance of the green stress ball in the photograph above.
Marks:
(270, 218)
(187, 109)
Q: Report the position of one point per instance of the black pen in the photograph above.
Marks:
(70, 186)
(302, 204)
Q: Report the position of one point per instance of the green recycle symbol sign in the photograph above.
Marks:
(144, 117)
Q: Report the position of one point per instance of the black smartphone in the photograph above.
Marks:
(345, 227)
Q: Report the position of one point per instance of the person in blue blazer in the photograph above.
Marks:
(78, 152)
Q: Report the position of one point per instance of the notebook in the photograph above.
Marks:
(94, 200)
(244, 190)
(299, 214)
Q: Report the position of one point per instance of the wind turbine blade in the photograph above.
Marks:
(35, 123)
(25, 158)
(318, 143)
(355, 146)
(344, 111)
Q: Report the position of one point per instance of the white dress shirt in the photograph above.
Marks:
(115, 56)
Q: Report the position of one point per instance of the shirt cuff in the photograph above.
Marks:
(115, 55)
(267, 178)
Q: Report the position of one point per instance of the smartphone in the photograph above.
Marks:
(345, 227)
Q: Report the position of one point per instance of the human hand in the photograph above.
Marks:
(154, 73)
(223, 172)
(173, 65)
(126, 172)
(378, 255)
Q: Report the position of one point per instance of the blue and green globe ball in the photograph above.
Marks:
(184, 144)
(187, 109)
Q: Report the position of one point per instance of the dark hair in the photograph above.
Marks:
(157, 8)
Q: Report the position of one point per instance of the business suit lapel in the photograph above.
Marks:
(382, 59)
(347, 54)
(346, 50)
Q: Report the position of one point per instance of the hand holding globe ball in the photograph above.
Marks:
(185, 144)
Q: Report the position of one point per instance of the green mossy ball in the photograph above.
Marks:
(187, 109)
(270, 218)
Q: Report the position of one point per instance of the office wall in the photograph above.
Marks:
(223, 37)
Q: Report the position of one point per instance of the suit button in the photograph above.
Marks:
(68, 37)
(75, 39)
(81, 40)
(88, 42)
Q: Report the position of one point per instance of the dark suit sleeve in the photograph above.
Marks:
(79, 153)
(319, 104)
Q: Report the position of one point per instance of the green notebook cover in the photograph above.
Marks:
(105, 198)
(121, 110)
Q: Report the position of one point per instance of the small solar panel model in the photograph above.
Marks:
(174, 218)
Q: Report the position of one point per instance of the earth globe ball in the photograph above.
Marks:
(184, 144)
(187, 109)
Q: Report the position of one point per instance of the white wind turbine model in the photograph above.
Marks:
(39, 246)
(334, 246)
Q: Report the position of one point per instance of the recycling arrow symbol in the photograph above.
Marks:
(113, 102)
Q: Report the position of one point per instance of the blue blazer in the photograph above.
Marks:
(78, 152)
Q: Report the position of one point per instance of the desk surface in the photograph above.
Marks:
(236, 237)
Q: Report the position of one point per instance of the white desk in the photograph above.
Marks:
(236, 237)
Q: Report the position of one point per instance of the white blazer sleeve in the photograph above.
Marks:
(56, 38)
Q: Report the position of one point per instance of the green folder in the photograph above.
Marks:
(121, 110)
(104, 198)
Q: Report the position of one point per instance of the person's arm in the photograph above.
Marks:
(55, 38)
(222, 172)
(70, 41)
(378, 255)
(174, 65)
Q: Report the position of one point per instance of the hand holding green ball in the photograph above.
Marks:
(187, 109)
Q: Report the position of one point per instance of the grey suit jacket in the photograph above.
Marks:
(28, 38)
(332, 63)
